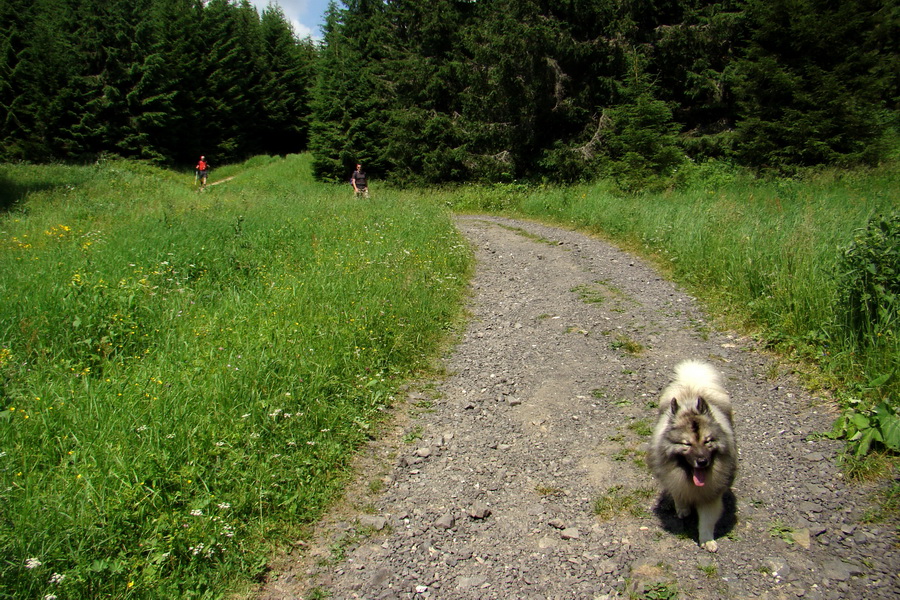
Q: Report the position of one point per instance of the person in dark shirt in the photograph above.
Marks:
(359, 182)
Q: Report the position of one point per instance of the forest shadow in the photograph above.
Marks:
(11, 192)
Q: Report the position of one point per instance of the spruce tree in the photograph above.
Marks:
(182, 48)
(804, 85)
(289, 68)
(229, 100)
(641, 144)
(35, 61)
(425, 68)
(351, 100)
(690, 52)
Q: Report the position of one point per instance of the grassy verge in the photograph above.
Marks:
(184, 375)
(768, 257)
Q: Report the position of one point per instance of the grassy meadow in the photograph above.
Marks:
(185, 375)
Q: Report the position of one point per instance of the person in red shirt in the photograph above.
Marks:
(202, 171)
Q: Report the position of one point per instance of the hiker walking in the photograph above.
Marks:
(359, 182)
(202, 171)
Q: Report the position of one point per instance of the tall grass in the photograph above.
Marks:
(763, 254)
(185, 375)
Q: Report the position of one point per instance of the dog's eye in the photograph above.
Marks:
(709, 441)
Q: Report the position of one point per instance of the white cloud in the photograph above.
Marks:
(303, 15)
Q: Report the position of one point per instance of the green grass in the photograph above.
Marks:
(779, 530)
(184, 376)
(617, 501)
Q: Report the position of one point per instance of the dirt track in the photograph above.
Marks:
(486, 486)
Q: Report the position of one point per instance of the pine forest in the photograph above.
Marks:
(456, 90)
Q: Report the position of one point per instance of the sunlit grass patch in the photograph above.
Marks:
(628, 345)
(186, 376)
(617, 500)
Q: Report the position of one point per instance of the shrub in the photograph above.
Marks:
(869, 276)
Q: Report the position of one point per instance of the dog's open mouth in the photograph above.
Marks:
(699, 477)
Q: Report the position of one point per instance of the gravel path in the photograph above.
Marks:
(486, 484)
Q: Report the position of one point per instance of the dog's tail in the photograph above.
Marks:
(697, 373)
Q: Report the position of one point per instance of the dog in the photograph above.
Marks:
(693, 452)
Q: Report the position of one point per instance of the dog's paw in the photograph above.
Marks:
(710, 546)
(683, 512)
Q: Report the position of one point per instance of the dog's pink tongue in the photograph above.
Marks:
(699, 477)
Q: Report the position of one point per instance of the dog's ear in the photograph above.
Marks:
(673, 406)
(702, 406)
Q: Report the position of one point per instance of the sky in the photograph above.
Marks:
(306, 16)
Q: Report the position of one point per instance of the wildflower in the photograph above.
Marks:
(245, 416)
(196, 513)
(32, 563)
(224, 505)
(50, 597)
(56, 578)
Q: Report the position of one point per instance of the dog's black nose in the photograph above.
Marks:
(702, 463)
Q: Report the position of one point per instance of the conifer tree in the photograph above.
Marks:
(230, 99)
(641, 145)
(182, 48)
(510, 90)
(35, 61)
(426, 70)
(691, 50)
(351, 101)
(804, 85)
(288, 67)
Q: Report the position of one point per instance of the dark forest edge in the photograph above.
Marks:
(455, 90)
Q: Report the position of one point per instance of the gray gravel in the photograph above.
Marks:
(485, 485)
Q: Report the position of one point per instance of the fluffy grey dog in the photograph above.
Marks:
(693, 452)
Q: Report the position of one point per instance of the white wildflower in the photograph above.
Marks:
(32, 563)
